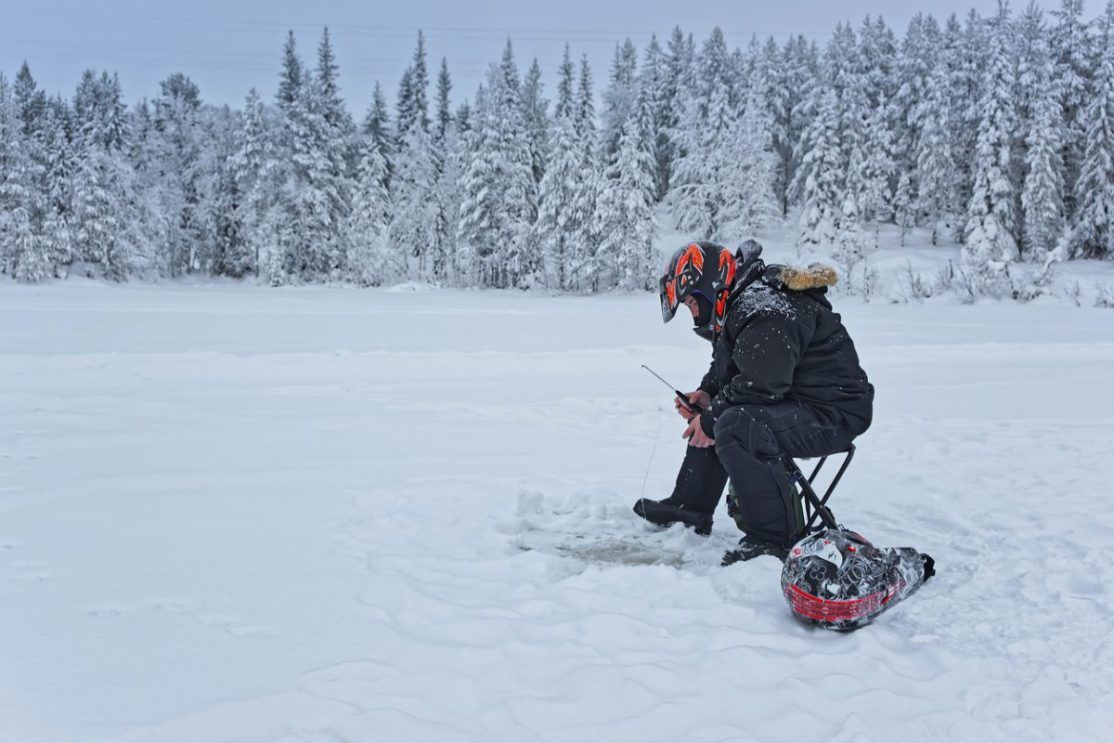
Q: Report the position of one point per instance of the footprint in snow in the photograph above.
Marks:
(172, 604)
(234, 625)
(118, 611)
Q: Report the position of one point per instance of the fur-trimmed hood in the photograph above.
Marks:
(813, 276)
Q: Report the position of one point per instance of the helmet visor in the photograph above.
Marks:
(668, 294)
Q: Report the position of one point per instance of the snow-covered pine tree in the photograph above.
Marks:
(835, 146)
(9, 127)
(624, 217)
(561, 217)
(585, 102)
(819, 180)
(23, 202)
(107, 221)
(915, 64)
(415, 209)
(313, 200)
(794, 107)
(450, 193)
(377, 125)
(699, 196)
(58, 181)
(509, 68)
(1040, 138)
(876, 167)
(936, 200)
(583, 261)
(443, 116)
(446, 155)
(700, 174)
(335, 132)
(649, 100)
(499, 190)
(774, 74)
(966, 47)
(1042, 198)
(280, 262)
(413, 96)
(1073, 51)
(677, 63)
(372, 258)
(228, 252)
(868, 98)
(565, 104)
(618, 97)
(174, 142)
(290, 80)
(1094, 190)
(750, 172)
(102, 188)
(534, 115)
(253, 168)
(990, 244)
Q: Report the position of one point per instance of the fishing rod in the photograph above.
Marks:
(681, 396)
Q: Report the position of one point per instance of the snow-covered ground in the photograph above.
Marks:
(240, 514)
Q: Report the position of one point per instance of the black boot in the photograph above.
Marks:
(694, 499)
(669, 511)
(750, 548)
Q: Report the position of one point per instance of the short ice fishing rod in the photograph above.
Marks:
(680, 395)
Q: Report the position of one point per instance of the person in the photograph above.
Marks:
(784, 381)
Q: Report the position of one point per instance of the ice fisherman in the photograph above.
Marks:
(784, 381)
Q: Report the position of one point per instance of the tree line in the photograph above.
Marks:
(995, 132)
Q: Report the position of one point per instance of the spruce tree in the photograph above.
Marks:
(566, 87)
(1094, 190)
(990, 244)
(499, 193)
(443, 116)
(415, 228)
(24, 203)
(377, 125)
(176, 141)
(564, 210)
(701, 172)
(108, 219)
(1040, 141)
(750, 170)
(1073, 51)
(58, 184)
(372, 258)
(254, 170)
(624, 218)
(619, 98)
(534, 115)
(819, 180)
(937, 184)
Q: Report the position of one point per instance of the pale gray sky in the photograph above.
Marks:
(227, 47)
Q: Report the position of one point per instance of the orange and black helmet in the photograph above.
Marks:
(702, 269)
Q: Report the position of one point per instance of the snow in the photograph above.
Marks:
(329, 514)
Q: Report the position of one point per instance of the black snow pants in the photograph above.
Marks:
(752, 443)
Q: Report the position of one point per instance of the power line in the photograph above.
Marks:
(456, 32)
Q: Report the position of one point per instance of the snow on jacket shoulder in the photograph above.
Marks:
(782, 341)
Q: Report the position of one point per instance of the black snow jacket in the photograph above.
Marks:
(781, 341)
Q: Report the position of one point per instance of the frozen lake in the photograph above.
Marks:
(326, 514)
